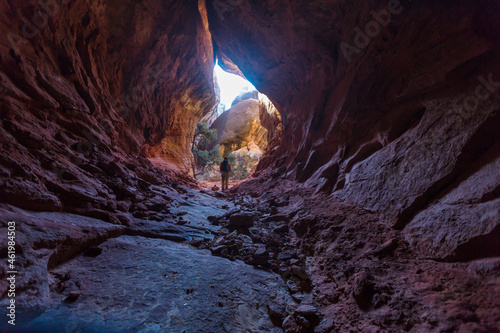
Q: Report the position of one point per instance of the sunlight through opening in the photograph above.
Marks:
(232, 130)
(231, 86)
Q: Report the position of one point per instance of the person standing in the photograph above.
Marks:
(225, 169)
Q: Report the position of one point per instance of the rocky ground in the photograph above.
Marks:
(83, 274)
(140, 284)
(208, 185)
(362, 274)
(242, 261)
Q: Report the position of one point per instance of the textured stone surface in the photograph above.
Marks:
(239, 126)
(44, 241)
(170, 288)
(396, 126)
(270, 118)
(47, 241)
(65, 281)
(362, 275)
(251, 150)
(94, 92)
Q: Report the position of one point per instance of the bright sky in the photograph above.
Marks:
(230, 85)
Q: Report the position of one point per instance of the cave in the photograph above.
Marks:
(375, 206)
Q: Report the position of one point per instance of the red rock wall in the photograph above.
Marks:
(239, 126)
(393, 114)
(399, 119)
(90, 88)
(270, 118)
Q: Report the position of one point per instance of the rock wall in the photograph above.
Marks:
(389, 105)
(239, 126)
(90, 89)
(270, 119)
(253, 94)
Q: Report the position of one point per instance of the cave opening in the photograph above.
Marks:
(230, 87)
(232, 129)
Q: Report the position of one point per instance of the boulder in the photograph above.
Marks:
(277, 309)
(362, 289)
(239, 126)
(306, 310)
(252, 94)
(242, 219)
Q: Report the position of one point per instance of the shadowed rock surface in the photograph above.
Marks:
(402, 127)
(170, 288)
(89, 97)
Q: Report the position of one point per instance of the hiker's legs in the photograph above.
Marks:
(225, 177)
(227, 180)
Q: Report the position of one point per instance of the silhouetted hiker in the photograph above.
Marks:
(225, 168)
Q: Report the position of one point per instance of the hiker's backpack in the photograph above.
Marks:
(225, 166)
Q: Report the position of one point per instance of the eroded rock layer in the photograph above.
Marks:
(89, 90)
(390, 105)
(389, 115)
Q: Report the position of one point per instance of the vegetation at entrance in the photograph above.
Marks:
(204, 158)
(206, 162)
(241, 164)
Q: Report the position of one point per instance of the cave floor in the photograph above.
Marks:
(228, 262)
(209, 184)
(142, 284)
(81, 274)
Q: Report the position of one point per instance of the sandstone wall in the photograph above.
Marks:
(90, 89)
(239, 126)
(390, 105)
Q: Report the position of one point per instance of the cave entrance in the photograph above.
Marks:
(232, 130)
